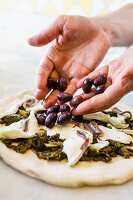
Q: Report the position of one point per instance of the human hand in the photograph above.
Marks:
(119, 83)
(80, 45)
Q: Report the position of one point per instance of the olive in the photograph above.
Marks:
(41, 119)
(64, 107)
(62, 84)
(86, 86)
(78, 118)
(53, 109)
(64, 96)
(76, 101)
(64, 117)
(60, 102)
(52, 84)
(101, 80)
(100, 89)
(50, 120)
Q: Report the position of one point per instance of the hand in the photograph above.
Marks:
(120, 73)
(80, 45)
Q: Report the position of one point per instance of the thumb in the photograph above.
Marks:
(49, 34)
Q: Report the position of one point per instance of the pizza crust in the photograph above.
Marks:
(118, 171)
(84, 173)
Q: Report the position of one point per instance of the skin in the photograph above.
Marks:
(120, 82)
(74, 50)
(78, 46)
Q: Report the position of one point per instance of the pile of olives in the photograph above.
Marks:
(98, 83)
(61, 113)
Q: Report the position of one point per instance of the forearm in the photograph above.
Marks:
(119, 26)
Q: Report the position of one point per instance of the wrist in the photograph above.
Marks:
(111, 29)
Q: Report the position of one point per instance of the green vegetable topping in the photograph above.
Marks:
(45, 147)
(12, 118)
(106, 154)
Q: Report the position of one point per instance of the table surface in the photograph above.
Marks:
(18, 63)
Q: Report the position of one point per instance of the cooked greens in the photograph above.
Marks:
(45, 147)
(9, 119)
(50, 148)
(106, 154)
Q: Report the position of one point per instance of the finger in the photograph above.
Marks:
(43, 73)
(89, 95)
(94, 74)
(51, 99)
(100, 102)
(40, 94)
(71, 88)
(49, 34)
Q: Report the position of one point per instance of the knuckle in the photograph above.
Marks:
(61, 18)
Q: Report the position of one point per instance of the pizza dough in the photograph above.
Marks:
(118, 171)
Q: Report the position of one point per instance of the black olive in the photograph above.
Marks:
(86, 86)
(64, 107)
(53, 109)
(64, 117)
(76, 101)
(101, 80)
(100, 89)
(78, 118)
(62, 84)
(50, 120)
(52, 84)
(64, 96)
(41, 119)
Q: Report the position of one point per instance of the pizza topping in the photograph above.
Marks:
(118, 122)
(107, 133)
(93, 127)
(114, 134)
(118, 111)
(64, 117)
(24, 125)
(75, 146)
(12, 107)
(50, 120)
(127, 131)
(76, 101)
(29, 103)
(85, 145)
(82, 134)
(16, 130)
(9, 119)
(106, 154)
(53, 109)
(78, 118)
(99, 145)
(64, 107)
(64, 96)
(41, 119)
